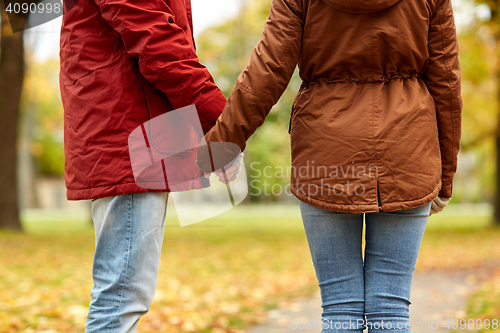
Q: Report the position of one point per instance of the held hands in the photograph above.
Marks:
(438, 205)
(232, 170)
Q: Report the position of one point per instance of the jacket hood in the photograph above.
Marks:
(360, 6)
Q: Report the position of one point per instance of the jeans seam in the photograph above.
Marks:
(165, 212)
(129, 240)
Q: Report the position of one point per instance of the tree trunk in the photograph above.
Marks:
(11, 82)
(496, 199)
(495, 25)
(496, 203)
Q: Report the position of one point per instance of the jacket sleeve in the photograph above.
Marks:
(264, 78)
(165, 56)
(442, 77)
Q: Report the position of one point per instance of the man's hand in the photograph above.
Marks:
(438, 205)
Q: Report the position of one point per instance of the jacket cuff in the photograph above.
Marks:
(204, 160)
(210, 110)
(215, 155)
(445, 191)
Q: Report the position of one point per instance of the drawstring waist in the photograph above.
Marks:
(361, 80)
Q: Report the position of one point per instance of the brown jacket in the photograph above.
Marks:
(379, 110)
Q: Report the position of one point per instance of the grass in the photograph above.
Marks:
(483, 307)
(220, 275)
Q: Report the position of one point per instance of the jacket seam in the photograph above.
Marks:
(249, 90)
(293, 111)
(373, 104)
(289, 42)
(245, 89)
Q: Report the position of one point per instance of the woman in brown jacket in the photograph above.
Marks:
(375, 132)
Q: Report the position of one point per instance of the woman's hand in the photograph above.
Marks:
(232, 170)
(438, 205)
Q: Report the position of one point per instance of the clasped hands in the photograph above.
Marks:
(231, 171)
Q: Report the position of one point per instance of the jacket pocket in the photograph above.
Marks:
(156, 101)
(168, 134)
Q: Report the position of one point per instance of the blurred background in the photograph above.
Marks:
(231, 272)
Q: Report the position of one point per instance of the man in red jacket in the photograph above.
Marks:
(124, 62)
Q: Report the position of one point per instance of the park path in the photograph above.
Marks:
(435, 295)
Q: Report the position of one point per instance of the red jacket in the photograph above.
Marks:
(124, 62)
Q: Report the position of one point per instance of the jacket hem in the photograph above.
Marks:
(107, 191)
(400, 205)
(369, 208)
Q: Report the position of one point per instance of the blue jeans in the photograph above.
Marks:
(378, 289)
(128, 237)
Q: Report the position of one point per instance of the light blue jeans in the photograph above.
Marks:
(380, 287)
(128, 237)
